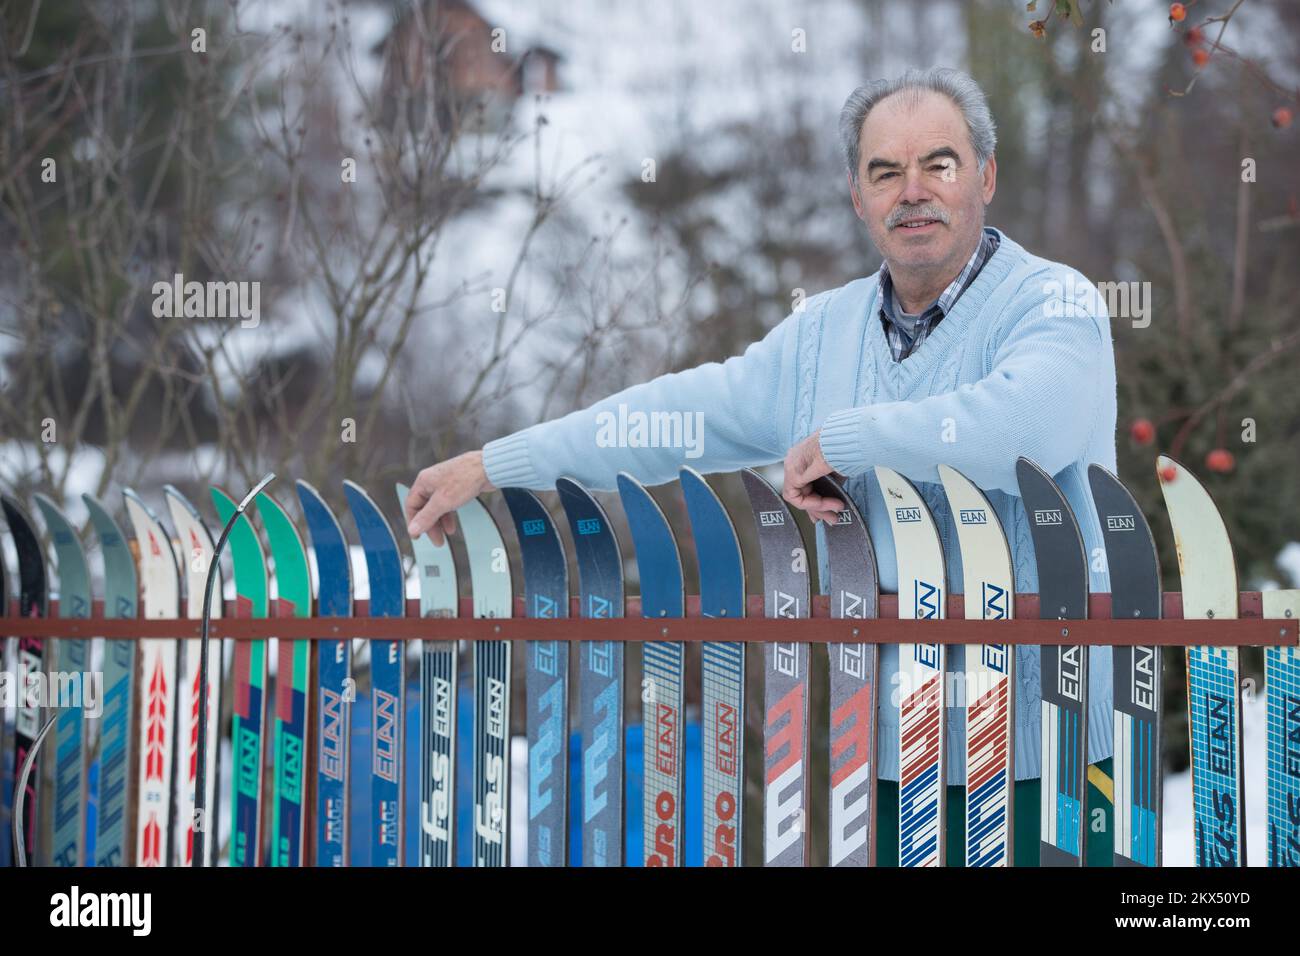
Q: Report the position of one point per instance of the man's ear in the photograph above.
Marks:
(853, 191)
(990, 179)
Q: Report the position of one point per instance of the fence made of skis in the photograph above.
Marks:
(106, 699)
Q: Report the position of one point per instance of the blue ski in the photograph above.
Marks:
(722, 665)
(387, 678)
(600, 677)
(336, 689)
(546, 680)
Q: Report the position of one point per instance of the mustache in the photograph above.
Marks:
(916, 212)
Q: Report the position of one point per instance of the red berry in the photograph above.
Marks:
(1168, 473)
(1177, 12)
(1142, 431)
(1220, 460)
(1281, 117)
(1200, 57)
(1194, 36)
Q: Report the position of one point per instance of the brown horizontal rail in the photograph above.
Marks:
(1247, 630)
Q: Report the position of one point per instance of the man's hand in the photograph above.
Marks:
(439, 490)
(804, 464)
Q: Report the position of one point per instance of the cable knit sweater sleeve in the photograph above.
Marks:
(1040, 399)
(726, 415)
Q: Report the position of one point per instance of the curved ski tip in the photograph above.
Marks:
(219, 498)
(629, 485)
(46, 504)
(1168, 469)
(686, 471)
(303, 485)
(174, 494)
(1027, 466)
(131, 497)
(891, 482)
(756, 483)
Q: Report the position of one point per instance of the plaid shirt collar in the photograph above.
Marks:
(901, 342)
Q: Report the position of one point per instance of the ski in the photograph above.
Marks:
(438, 598)
(196, 550)
(489, 573)
(785, 678)
(722, 666)
(546, 680)
(988, 585)
(1282, 697)
(600, 677)
(248, 721)
(854, 669)
(387, 679)
(292, 690)
(1209, 587)
(335, 687)
(116, 726)
(922, 707)
(33, 597)
(1062, 595)
(663, 596)
(1134, 569)
(160, 597)
(70, 664)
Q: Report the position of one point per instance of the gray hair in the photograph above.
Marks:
(964, 92)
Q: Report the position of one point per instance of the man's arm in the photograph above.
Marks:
(1040, 399)
(714, 417)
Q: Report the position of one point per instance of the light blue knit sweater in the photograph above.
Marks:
(1022, 365)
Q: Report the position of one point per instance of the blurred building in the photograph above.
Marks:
(474, 68)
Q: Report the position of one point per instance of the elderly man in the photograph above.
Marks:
(961, 350)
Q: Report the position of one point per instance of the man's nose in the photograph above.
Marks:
(915, 189)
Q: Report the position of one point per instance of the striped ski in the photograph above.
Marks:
(113, 837)
(438, 598)
(600, 677)
(854, 669)
(335, 686)
(248, 722)
(1209, 587)
(922, 708)
(785, 683)
(1062, 595)
(70, 658)
(489, 572)
(1282, 690)
(659, 567)
(722, 594)
(988, 584)
(161, 598)
(1134, 569)
(292, 690)
(196, 551)
(546, 680)
(33, 598)
(387, 679)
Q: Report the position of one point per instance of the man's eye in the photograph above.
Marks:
(885, 176)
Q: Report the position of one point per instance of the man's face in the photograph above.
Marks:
(919, 190)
